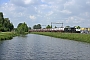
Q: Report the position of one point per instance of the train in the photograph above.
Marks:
(70, 30)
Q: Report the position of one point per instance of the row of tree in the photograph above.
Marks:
(38, 26)
(5, 24)
(77, 27)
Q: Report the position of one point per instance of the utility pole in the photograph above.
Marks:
(62, 24)
(51, 24)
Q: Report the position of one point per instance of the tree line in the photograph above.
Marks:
(5, 24)
(39, 26)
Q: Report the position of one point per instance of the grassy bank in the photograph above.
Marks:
(70, 36)
(7, 35)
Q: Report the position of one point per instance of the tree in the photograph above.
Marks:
(38, 26)
(77, 27)
(29, 28)
(11, 27)
(22, 28)
(35, 27)
(1, 18)
(25, 27)
(5, 24)
(55, 27)
(67, 27)
(19, 25)
(48, 26)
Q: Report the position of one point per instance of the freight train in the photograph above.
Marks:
(70, 30)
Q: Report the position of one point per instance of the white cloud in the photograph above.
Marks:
(27, 1)
(88, 2)
(70, 12)
(50, 13)
(74, 19)
(32, 17)
(69, 3)
(66, 12)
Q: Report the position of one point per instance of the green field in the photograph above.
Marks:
(70, 36)
(7, 35)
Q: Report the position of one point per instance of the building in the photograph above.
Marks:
(85, 30)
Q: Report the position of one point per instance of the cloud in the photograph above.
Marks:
(27, 1)
(74, 19)
(32, 17)
(66, 12)
(88, 2)
(70, 12)
(69, 3)
(50, 13)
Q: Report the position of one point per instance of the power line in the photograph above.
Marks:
(56, 23)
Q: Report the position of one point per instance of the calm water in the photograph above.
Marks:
(38, 47)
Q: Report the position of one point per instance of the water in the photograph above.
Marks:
(38, 47)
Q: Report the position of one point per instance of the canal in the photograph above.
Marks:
(38, 47)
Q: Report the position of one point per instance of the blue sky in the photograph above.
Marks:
(3, 1)
(70, 12)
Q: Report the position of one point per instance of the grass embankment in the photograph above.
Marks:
(7, 35)
(70, 36)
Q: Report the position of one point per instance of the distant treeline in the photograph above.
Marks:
(5, 24)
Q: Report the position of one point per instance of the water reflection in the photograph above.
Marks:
(38, 47)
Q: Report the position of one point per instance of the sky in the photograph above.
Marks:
(69, 12)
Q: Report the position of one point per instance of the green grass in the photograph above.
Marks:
(70, 36)
(7, 35)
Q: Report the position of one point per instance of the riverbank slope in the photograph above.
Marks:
(7, 35)
(70, 36)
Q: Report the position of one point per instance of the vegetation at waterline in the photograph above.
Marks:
(70, 36)
(7, 35)
(22, 28)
